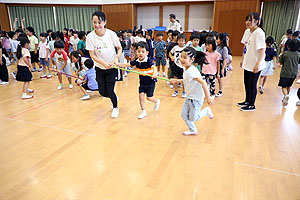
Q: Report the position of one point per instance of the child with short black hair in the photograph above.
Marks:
(81, 44)
(24, 65)
(289, 61)
(150, 41)
(44, 53)
(176, 67)
(196, 90)
(139, 36)
(270, 59)
(170, 46)
(147, 84)
(210, 70)
(89, 80)
(195, 39)
(62, 63)
(159, 53)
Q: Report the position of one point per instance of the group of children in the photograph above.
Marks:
(194, 65)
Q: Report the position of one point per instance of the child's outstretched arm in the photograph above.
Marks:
(173, 80)
(154, 71)
(210, 100)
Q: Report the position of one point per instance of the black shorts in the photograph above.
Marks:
(286, 82)
(23, 74)
(176, 71)
(34, 57)
(148, 89)
(109, 75)
(86, 87)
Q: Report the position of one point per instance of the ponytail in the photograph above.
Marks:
(199, 56)
(21, 45)
(19, 51)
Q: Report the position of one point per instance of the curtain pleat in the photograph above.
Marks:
(279, 16)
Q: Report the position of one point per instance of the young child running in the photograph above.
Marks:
(195, 88)
(270, 59)
(210, 70)
(62, 63)
(289, 61)
(89, 80)
(159, 52)
(24, 66)
(44, 53)
(177, 68)
(147, 84)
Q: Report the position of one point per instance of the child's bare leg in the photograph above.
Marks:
(82, 90)
(152, 99)
(59, 77)
(70, 80)
(25, 87)
(142, 100)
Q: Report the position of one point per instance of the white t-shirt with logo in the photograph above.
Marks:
(104, 46)
(176, 51)
(253, 43)
(193, 88)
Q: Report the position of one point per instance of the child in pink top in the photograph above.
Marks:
(211, 70)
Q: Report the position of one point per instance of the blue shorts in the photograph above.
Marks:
(43, 61)
(127, 53)
(161, 61)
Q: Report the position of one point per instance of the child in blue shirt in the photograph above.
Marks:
(147, 84)
(89, 80)
(160, 54)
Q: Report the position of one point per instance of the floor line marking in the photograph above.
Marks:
(42, 104)
(268, 169)
(53, 127)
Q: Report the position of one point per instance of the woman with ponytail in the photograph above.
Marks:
(24, 66)
(253, 60)
(195, 88)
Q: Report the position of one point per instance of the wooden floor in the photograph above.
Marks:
(58, 147)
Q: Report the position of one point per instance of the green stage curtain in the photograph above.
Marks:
(279, 16)
(40, 18)
(79, 18)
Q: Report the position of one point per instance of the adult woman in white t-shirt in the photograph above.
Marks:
(101, 44)
(253, 60)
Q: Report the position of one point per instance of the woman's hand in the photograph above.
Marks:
(255, 69)
(106, 65)
(172, 81)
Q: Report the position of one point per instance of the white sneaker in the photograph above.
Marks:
(164, 74)
(158, 73)
(70, 86)
(85, 97)
(60, 86)
(298, 103)
(26, 96)
(40, 69)
(180, 85)
(49, 76)
(209, 113)
(285, 100)
(171, 86)
(4, 83)
(89, 91)
(115, 113)
(168, 82)
(189, 133)
(43, 76)
(183, 95)
(30, 90)
(156, 107)
(175, 94)
(298, 81)
(142, 115)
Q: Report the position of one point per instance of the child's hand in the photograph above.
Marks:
(222, 71)
(154, 76)
(218, 76)
(172, 81)
(210, 101)
(172, 58)
(46, 59)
